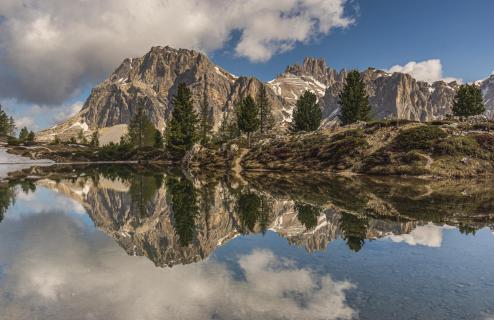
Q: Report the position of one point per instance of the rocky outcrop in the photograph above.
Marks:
(399, 94)
(312, 75)
(390, 95)
(487, 87)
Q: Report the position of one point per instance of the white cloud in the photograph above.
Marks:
(36, 117)
(43, 200)
(429, 235)
(428, 71)
(51, 48)
(76, 271)
(24, 122)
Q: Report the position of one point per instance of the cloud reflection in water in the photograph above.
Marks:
(64, 270)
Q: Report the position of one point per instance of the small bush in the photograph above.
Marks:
(379, 158)
(418, 138)
(440, 122)
(13, 141)
(347, 134)
(342, 148)
(477, 126)
(411, 157)
(455, 146)
(387, 123)
(114, 151)
(485, 141)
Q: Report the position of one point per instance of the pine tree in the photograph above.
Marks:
(23, 134)
(81, 137)
(307, 114)
(4, 123)
(95, 139)
(11, 126)
(158, 139)
(141, 131)
(247, 117)
(182, 132)
(206, 120)
(31, 137)
(7, 124)
(56, 140)
(228, 128)
(468, 101)
(266, 120)
(353, 100)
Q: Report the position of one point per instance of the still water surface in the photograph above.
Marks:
(118, 242)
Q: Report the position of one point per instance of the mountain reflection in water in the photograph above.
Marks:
(55, 266)
(173, 218)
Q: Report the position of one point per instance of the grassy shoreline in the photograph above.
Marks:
(384, 148)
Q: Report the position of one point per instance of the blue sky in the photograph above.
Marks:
(392, 32)
(52, 53)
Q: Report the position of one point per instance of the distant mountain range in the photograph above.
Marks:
(152, 80)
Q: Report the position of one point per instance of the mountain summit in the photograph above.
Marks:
(150, 82)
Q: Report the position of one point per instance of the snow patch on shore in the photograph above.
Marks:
(11, 162)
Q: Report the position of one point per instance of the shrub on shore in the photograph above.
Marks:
(419, 138)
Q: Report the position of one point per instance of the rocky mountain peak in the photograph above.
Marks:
(310, 66)
(151, 81)
(313, 67)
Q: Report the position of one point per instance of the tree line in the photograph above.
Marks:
(8, 130)
(187, 127)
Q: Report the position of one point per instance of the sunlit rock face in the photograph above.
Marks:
(151, 81)
(390, 94)
(313, 75)
(398, 94)
(487, 87)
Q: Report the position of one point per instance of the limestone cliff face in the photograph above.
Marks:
(390, 95)
(151, 82)
(487, 87)
(398, 94)
(312, 75)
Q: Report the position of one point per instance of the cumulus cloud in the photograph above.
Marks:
(429, 235)
(428, 71)
(81, 272)
(50, 48)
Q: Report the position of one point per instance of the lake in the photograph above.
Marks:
(143, 242)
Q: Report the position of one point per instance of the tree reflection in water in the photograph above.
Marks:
(183, 203)
(354, 230)
(307, 214)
